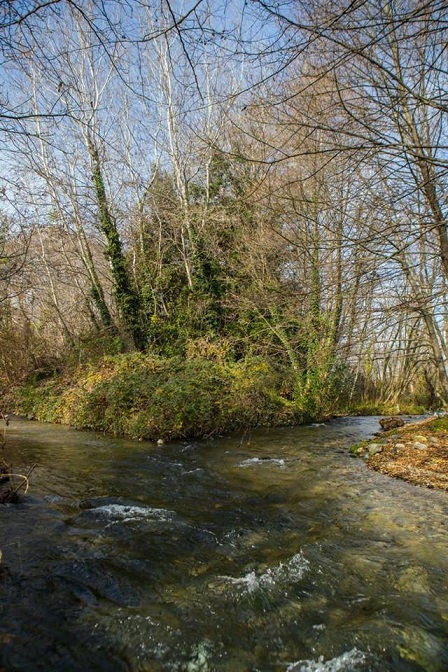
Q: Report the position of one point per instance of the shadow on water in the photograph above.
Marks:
(270, 552)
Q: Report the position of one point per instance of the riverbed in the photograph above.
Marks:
(266, 551)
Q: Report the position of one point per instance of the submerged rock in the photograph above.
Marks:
(414, 580)
(421, 648)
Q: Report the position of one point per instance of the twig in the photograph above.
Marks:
(6, 424)
(31, 469)
(246, 431)
(25, 480)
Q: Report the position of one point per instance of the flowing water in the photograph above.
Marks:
(269, 552)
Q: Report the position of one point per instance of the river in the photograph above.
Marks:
(269, 551)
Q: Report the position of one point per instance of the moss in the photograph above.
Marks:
(358, 448)
(440, 424)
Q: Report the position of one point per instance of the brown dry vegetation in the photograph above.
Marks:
(403, 455)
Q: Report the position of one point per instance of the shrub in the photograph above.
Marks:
(143, 396)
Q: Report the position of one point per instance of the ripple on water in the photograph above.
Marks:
(121, 584)
(151, 645)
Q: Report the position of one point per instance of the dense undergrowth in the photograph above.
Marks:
(147, 397)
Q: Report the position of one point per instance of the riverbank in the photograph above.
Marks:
(145, 397)
(416, 453)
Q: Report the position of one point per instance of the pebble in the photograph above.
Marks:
(373, 449)
(420, 446)
(420, 438)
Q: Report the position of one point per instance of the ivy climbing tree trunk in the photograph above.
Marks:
(127, 299)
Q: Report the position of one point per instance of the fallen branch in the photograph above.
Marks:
(25, 480)
(10, 495)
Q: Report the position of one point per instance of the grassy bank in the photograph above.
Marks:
(146, 397)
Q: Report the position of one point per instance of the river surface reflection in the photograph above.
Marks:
(265, 552)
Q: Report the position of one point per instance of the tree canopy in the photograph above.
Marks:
(229, 179)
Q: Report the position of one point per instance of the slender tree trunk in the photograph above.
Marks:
(128, 301)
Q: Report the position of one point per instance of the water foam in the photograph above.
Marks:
(349, 661)
(290, 571)
(201, 653)
(124, 512)
(263, 460)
